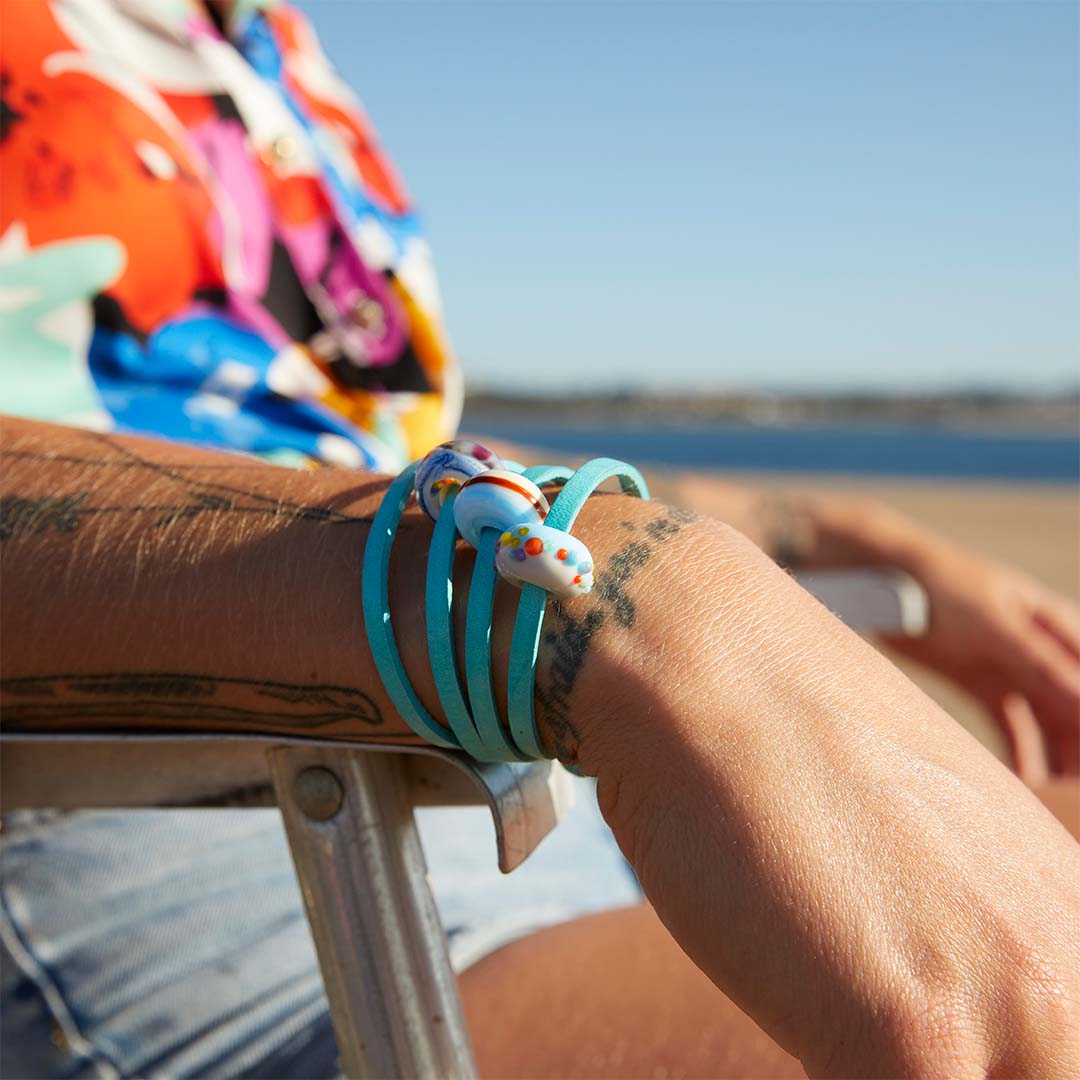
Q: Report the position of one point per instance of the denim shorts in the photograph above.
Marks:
(174, 943)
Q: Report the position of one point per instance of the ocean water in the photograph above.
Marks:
(874, 451)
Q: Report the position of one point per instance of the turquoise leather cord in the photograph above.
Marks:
(478, 617)
(530, 614)
(480, 732)
(375, 602)
(439, 597)
(548, 474)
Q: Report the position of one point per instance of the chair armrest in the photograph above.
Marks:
(526, 801)
(871, 601)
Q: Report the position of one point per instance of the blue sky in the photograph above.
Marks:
(777, 195)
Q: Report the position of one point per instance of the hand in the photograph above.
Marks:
(1012, 644)
(1001, 636)
(850, 866)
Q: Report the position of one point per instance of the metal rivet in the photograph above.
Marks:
(318, 793)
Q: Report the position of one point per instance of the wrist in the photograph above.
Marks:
(579, 639)
(595, 649)
(617, 670)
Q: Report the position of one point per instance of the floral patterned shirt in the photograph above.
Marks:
(200, 238)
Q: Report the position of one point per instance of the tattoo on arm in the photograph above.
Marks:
(21, 516)
(169, 700)
(568, 638)
(184, 702)
(195, 497)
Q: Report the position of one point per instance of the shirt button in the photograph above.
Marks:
(369, 315)
(283, 148)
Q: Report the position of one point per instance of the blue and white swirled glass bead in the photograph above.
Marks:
(446, 468)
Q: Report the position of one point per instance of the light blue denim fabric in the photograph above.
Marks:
(174, 943)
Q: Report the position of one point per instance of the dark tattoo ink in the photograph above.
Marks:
(146, 685)
(568, 642)
(99, 463)
(612, 580)
(661, 529)
(217, 496)
(568, 646)
(179, 701)
(198, 497)
(21, 516)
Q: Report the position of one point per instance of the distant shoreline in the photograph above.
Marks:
(983, 411)
(884, 448)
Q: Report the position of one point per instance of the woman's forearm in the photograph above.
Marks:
(867, 881)
(150, 584)
(836, 854)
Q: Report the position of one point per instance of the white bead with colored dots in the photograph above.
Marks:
(497, 499)
(490, 497)
(550, 558)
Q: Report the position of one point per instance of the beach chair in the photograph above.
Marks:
(348, 814)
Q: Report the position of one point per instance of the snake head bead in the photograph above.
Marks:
(446, 468)
(497, 499)
(550, 558)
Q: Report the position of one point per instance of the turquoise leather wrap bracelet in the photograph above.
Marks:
(439, 603)
(478, 631)
(529, 623)
(475, 724)
(378, 625)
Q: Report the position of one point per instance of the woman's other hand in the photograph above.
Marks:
(1001, 636)
(1011, 643)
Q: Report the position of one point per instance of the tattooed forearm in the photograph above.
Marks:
(21, 516)
(120, 580)
(193, 496)
(125, 559)
(123, 464)
(182, 701)
(569, 637)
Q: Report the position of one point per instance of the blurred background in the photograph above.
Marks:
(719, 215)
(829, 244)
